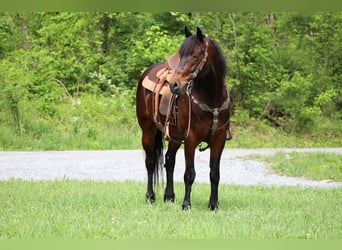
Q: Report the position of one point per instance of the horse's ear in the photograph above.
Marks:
(187, 32)
(200, 35)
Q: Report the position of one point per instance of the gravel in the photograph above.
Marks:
(122, 165)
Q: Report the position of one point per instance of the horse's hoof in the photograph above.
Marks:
(213, 207)
(150, 198)
(169, 198)
(186, 206)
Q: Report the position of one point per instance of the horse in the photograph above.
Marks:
(199, 112)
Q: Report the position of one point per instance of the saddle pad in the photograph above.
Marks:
(151, 86)
(164, 92)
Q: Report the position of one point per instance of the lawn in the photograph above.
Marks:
(320, 166)
(117, 210)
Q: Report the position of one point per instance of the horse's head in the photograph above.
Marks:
(193, 55)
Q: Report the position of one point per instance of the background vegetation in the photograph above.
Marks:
(67, 80)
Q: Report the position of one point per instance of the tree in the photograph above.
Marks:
(284, 68)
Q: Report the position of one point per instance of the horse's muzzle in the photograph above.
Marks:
(177, 88)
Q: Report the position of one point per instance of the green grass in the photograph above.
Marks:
(112, 210)
(100, 122)
(312, 165)
(258, 134)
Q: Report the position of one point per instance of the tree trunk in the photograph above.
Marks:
(24, 29)
(236, 45)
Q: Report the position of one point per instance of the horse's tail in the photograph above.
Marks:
(158, 150)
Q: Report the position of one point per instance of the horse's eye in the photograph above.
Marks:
(195, 57)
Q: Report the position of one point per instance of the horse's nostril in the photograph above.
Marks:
(174, 86)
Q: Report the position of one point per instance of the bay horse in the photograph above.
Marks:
(200, 113)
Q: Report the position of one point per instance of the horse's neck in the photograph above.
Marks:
(211, 90)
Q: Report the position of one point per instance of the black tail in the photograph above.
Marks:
(158, 149)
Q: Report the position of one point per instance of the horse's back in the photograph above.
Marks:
(152, 71)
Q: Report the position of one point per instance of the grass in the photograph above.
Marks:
(128, 136)
(113, 210)
(106, 123)
(258, 134)
(312, 165)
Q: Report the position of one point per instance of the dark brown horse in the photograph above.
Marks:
(200, 113)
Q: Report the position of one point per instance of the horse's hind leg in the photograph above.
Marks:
(170, 160)
(150, 143)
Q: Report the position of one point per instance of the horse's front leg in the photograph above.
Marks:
(170, 157)
(189, 175)
(215, 158)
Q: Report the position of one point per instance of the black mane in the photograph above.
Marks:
(222, 60)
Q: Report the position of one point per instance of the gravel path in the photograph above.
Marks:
(121, 165)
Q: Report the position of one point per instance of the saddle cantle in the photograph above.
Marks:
(158, 80)
(173, 61)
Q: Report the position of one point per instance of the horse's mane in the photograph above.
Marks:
(192, 41)
(222, 60)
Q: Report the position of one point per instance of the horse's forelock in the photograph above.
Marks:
(188, 45)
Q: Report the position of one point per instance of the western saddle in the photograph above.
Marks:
(163, 99)
(159, 84)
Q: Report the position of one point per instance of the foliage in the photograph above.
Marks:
(15, 78)
(283, 69)
(154, 46)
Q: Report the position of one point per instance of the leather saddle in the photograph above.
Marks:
(158, 80)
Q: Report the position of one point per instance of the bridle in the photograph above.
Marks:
(198, 68)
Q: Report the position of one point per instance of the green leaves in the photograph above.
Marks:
(284, 68)
(14, 82)
(154, 46)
